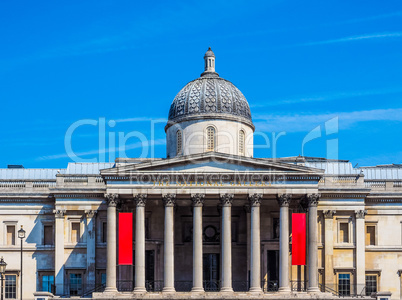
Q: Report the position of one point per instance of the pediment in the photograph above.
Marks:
(212, 162)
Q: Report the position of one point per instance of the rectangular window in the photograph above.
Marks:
(371, 284)
(75, 232)
(75, 284)
(344, 233)
(104, 232)
(47, 283)
(344, 284)
(48, 235)
(370, 235)
(10, 289)
(10, 235)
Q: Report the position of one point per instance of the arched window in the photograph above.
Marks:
(210, 138)
(179, 141)
(241, 142)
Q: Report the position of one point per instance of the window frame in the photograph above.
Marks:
(338, 282)
(80, 272)
(375, 225)
(41, 274)
(376, 275)
(343, 220)
(208, 138)
(242, 142)
(179, 145)
(73, 220)
(44, 224)
(16, 285)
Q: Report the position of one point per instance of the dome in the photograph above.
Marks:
(209, 97)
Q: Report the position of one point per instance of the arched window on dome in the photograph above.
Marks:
(179, 142)
(211, 138)
(242, 137)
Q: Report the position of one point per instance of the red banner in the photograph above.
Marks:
(125, 238)
(298, 239)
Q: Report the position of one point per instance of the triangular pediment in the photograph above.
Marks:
(212, 162)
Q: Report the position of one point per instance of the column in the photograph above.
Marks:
(169, 201)
(198, 202)
(59, 251)
(112, 201)
(255, 262)
(312, 244)
(226, 243)
(140, 201)
(360, 250)
(329, 248)
(284, 201)
(91, 248)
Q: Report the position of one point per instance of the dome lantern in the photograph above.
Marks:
(209, 63)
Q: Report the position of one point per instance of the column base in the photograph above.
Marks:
(140, 290)
(313, 290)
(110, 290)
(284, 290)
(226, 290)
(255, 290)
(197, 290)
(168, 290)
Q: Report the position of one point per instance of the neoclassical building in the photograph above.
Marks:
(209, 221)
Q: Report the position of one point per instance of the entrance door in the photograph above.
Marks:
(273, 270)
(211, 271)
(150, 270)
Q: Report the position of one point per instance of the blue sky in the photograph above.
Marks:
(300, 64)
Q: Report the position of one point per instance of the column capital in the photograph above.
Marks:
(140, 199)
(169, 200)
(112, 199)
(198, 199)
(329, 214)
(226, 199)
(312, 199)
(284, 199)
(59, 213)
(90, 213)
(360, 214)
(255, 199)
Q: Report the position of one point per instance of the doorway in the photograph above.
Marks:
(211, 271)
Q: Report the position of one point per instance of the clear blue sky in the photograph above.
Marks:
(299, 64)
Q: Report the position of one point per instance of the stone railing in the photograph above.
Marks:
(384, 185)
(43, 186)
(342, 180)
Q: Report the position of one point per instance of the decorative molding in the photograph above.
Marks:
(141, 200)
(360, 214)
(59, 213)
(112, 199)
(255, 199)
(284, 199)
(169, 200)
(198, 199)
(86, 195)
(226, 199)
(90, 213)
(312, 199)
(329, 214)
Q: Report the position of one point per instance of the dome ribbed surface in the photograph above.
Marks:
(211, 96)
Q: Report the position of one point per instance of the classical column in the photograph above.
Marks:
(329, 248)
(284, 201)
(91, 247)
(312, 244)
(226, 243)
(59, 250)
(168, 244)
(198, 202)
(360, 250)
(140, 201)
(112, 201)
(255, 262)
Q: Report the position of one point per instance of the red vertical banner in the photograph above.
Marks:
(298, 239)
(125, 238)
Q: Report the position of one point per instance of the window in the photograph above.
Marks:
(210, 138)
(10, 290)
(10, 235)
(370, 235)
(48, 235)
(47, 283)
(179, 139)
(371, 284)
(275, 228)
(75, 284)
(75, 232)
(344, 284)
(104, 232)
(103, 279)
(343, 232)
(241, 142)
